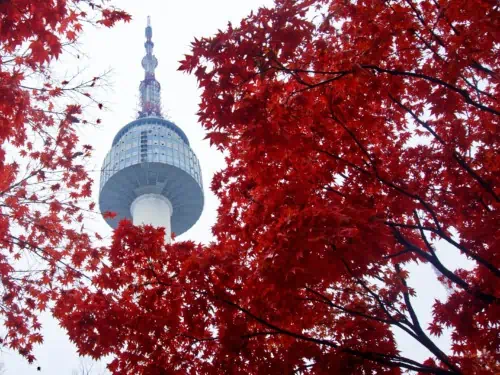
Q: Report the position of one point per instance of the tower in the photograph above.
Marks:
(151, 175)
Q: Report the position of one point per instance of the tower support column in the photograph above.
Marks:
(153, 209)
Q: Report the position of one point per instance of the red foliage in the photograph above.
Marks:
(358, 134)
(43, 182)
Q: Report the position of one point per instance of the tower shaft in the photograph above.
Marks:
(155, 210)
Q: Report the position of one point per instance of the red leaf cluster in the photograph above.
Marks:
(42, 182)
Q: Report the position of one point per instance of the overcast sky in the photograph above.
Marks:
(175, 24)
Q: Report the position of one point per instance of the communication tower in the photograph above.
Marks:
(151, 175)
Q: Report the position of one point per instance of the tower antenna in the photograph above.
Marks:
(149, 88)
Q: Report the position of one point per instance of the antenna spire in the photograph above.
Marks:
(149, 87)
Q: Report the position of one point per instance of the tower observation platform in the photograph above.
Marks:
(151, 175)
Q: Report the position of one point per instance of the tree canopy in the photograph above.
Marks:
(44, 186)
(357, 135)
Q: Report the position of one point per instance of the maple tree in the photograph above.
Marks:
(358, 135)
(44, 187)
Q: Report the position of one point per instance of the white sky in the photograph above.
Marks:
(175, 24)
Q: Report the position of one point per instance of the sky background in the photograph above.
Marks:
(175, 25)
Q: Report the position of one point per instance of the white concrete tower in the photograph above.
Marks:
(151, 175)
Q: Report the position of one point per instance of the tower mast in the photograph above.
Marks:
(149, 88)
